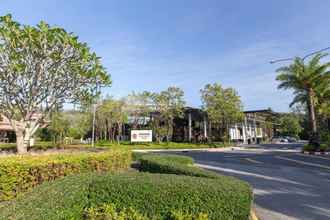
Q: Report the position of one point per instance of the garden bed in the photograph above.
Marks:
(19, 174)
(175, 190)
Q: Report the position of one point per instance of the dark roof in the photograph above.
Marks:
(260, 111)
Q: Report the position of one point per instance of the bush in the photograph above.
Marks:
(143, 195)
(324, 147)
(109, 212)
(172, 164)
(311, 148)
(308, 148)
(20, 173)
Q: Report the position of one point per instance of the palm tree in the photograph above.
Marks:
(309, 81)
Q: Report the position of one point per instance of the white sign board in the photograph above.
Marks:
(141, 135)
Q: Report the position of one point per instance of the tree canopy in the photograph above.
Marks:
(41, 67)
(311, 84)
(168, 105)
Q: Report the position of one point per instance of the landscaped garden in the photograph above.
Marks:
(42, 146)
(102, 186)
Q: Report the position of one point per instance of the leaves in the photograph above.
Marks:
(43, 66)
(303, 77)
(223, 106)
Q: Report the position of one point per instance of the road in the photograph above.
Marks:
(287, 184)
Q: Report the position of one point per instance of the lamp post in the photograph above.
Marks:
(307, 55)
(94, 113)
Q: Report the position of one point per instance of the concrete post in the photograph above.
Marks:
(255, 128)
(189, 127)
(205, 127)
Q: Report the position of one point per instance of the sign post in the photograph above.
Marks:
(141, 135)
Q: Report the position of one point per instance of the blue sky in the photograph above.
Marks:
(150, 45)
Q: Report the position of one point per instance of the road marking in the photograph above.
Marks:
(302, 162)
(245, 173)
(253, 161)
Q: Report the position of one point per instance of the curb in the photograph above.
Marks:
(187, 150)
(253, 215)
(315, 153)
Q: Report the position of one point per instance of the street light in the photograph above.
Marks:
(310, 54)
(94, 113)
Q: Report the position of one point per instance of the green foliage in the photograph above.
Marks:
(325, 137)
(110, 117)
(135, 196)
(324, 147)
(312, 148)
(309, 148)
(43, 67)
(161, 145)
(168, 104)
(44, 134)
(290, 125)
(19, 174)
(172, 164)
(110, 212)
(223, 106)
(73, 124)
(310, 83)
(138, 106)
(157, 195)
(169, 158)
(178, 215)
(64, 198)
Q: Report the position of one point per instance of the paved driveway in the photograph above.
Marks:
(287, 184)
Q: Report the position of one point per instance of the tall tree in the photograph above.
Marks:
(138, 107)
(290, 125)
(168, 104)
(223, 106)
(308, 80)
(42, 67)
(110, 118)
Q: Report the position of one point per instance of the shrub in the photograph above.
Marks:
(110, 212)
(308, 147)
(172, 164)
(143, 195)
(324, 147)
(20, 173)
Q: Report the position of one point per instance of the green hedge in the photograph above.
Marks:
(172, 164)
(20, 173)
(159, 195)
(153, 196)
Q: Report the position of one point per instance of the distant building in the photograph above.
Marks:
(194, 126)
(257, 126)
(7, 132)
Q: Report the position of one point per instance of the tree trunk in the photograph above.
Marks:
(22, 142)
(311, 111)
(210, 132)
(314, 138)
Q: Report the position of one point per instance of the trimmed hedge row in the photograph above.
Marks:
(172, 164)
(153, 196)
(21, 173)
(159, 195)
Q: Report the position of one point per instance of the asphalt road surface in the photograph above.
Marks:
(287, 184)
